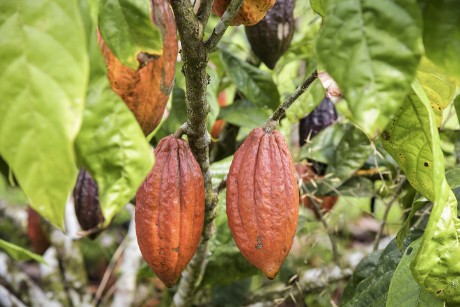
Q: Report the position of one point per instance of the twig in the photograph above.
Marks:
(387, 211)
(204, 11)
(335, 252)
(222, 25)
(108, 272)
(222, 185)
(273, 121)
(125, 287)
(181, 130)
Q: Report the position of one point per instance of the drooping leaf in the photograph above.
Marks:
(323, 146)
(441, 34)
(256, 85)
(307, 102)
(372, 50)
(413, 141)
(404, 290)
(439, 88)
(18, 253)
(244, 113)
(405, 228)
(43, 79)
(372, 289)
(111, 144)
(127, 28)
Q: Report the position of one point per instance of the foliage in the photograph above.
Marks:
(397, 65)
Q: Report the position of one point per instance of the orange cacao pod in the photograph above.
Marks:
(170, 210)
(250, 12)
(263, 200)
(146, 90)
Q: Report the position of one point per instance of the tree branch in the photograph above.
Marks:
(273, 121)
(204, 11)
(222, 25)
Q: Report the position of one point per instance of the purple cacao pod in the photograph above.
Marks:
(271, 37)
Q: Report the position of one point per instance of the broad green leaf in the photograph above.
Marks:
(322, 147)
(43, 79)
(404, 290)
(19, 253)
(372, 289)
(441, 34)
(256, 85)
(319, 6)
(211, 94)
(372, 50)
(413, 141)
(127, 28)
(307, 102)
(111, 144)
(244, 113)
(439, 88)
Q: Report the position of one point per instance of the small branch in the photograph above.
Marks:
(204, 11)
(273, 121)
(222, 185)
(335, 252)
(222, 25)
(125, 287)
(181, 130)
(387, 211)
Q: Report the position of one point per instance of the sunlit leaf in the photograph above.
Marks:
(19, 253)
(43, 79)
(372, 49)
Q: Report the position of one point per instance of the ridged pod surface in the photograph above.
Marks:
(86, 201)
(146, 90)
(272, 36)
(170, 210)
(250, 12)
(263, 200)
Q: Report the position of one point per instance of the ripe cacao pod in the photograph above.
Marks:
(306, 173)
(86, 201)
(170, 210)
(263, 200)
(146, 90)
(37, 236)
(271, 37)
(250, 12)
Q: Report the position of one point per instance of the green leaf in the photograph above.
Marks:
(372, 50)
(439, 88)
(211, 94)
(43, 79)
(372, 289)
(441, 34)
(244, 113)
(127, 28)
(318, 6)
(111, 144)
(404, 290)
(413, 141)
(220, 169)
(177, 114)
(307, 102)
(18, 253)
(405, 228)
(457, 106)
(322, 147)
(256, 85)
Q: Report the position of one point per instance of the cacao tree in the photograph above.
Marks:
(229, 152)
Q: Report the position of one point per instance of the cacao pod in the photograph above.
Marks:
(272, 36)
(170, 210)
(306, 173)
(146, 90)
(250, 12)
(86, 201)
(263, 200)
(37, 236)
